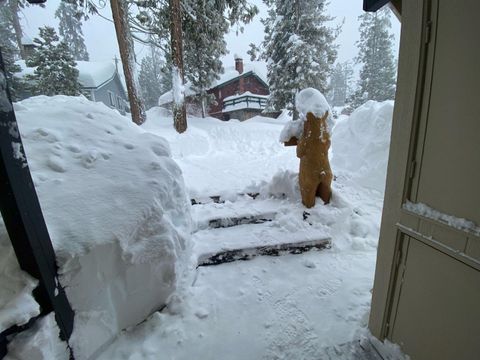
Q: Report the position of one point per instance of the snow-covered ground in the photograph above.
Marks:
(286, 307)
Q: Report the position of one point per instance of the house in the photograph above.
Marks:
(240, 93)
(100, 81)
(426, 292)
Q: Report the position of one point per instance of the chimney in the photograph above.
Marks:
(239, 64)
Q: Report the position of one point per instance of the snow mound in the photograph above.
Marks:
(17, 305)
(293, 128)
(361, 142)
(307, 101)
(311, 100)
(282, 185)
(41, 342)
(116, 209)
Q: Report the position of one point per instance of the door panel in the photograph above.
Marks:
(449, 177)
(438, 312)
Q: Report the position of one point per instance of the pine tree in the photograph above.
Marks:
(299, 47)
(55, 71)
(151, 80)
(9, 51)
(203, 47)
(340, 84)
(204, 25)
(378, 73)
(70, 29)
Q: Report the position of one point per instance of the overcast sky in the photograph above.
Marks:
(102, 45)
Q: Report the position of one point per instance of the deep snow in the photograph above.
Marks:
(116, 210)
(288, 307)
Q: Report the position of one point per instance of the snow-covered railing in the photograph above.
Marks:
(250, 101)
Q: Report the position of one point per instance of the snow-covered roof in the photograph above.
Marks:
(26, 40)
(95, 73)
(91, 74)
(259, 68)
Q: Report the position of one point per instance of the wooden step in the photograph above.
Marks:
(217, 199)
(241, 220)
(242, 254)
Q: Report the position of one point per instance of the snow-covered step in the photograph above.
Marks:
(247, 240)
(243, 211)
(241, 254)
(218, 199)
(225, 222)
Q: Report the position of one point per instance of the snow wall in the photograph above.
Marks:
(115, 205)
(361, 142)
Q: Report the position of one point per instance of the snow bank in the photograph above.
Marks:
(17, 304)
(40, 342)
(116, 209)
(361, 142)
(307, 100)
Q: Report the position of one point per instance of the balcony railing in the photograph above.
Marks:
(249, 101)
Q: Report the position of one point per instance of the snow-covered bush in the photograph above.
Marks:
(115, 205)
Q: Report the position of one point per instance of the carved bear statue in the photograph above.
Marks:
(315, 172)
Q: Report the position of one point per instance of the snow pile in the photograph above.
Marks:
(283, 185)
(361, 142)
(453, 221)
(293, 128)
(307, 101)
(313, 101)
(17, 304)
(41, 341)
(116, 209)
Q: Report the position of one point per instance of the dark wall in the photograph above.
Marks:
(250, 83)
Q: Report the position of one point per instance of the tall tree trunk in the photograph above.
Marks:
(16, 26)
(125, 45)
(179, 109)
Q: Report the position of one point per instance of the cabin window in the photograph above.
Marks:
(112, 98)
(119, 103)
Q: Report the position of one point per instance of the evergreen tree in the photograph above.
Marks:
(9, 50)
(299, 47)
(378, 73)
(204, 45)
(204, 25)
(340, 84)
(254, 52)
(55, 71)
(151, 79)
(70, 29)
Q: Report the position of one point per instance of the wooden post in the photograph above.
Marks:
(125, 45)
(179, 109)
(24, 220)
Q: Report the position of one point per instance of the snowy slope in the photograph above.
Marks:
(116, 209)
